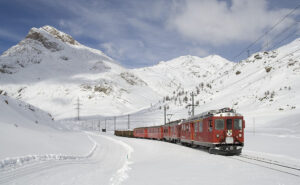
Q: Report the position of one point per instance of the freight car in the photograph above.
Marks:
(124, 133)
(221, 131)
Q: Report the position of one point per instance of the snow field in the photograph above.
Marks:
(157, 162)
(23, 160)
(107, 164)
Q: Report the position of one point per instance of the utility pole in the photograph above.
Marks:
(128, 121)
(193, 105)
(248, 51)
(165, 114)
(99, 125)
(78, 108)
(253, 126)
(105, 125)
(169, 117)
(115, 123)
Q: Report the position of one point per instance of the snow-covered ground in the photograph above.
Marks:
(37, 150)
(118, 160)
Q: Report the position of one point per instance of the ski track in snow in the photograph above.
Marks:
(12, 168)
(23, 160)
(121, 174)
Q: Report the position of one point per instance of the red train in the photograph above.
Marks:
(221, 131)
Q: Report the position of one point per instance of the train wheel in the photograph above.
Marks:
(212, 151)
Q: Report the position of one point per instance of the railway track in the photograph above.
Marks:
(275, 165)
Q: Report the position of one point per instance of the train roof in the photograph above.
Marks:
(155, 126)
(176, 122)
(218, 112)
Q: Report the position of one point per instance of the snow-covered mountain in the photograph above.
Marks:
(184, 72)
(49, 69)
(265, 88)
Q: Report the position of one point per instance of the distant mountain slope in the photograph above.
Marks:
(183, 72)
(265, 88)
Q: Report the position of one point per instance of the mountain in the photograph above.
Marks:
(182, 72)
(51, 70)
(265, 88)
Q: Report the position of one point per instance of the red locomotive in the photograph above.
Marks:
(221, 131)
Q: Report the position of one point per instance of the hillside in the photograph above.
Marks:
(51, 70)
(26, 130)
(265, 88)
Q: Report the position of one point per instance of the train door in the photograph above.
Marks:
(229, 127)
(200, 134)
(210, 130)
(196, 124)
(192, 130)
(146, 133)
(229, 136)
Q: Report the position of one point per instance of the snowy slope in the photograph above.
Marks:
(49, 69)
(265, 88)
(49, 66)
(184, 72)
(26, 130)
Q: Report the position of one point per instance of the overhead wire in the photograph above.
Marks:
(265, 33)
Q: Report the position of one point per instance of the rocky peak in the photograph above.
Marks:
(45, 35)
(60, 35)
(35, 34)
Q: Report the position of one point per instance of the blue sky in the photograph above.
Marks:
(139, 33)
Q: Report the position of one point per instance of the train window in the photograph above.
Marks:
(210, 125)
(196, 127)
(229, 124)
(219, 124)
(238, 124)
(200, 126)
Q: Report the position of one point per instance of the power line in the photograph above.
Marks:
(289, 54)
(285, 38)
(260, 37)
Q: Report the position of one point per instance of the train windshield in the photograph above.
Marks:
(238, 124)
(229, 124)
(219, 124)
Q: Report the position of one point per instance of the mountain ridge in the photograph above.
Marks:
(53, 79)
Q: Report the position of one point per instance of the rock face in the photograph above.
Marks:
(53, 46)
(38, 35)
(61, 36)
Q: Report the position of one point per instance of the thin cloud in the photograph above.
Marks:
(218, 23)
(6, 34)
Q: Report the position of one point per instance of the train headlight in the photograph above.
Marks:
(240, 135)
(218, 135)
